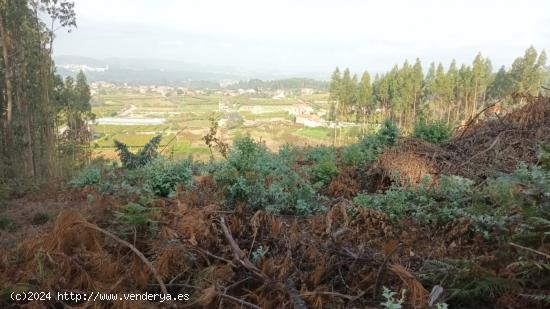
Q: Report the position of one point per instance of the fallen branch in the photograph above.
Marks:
(529, 249)
(336, 294)
(381, 269)
(467, 126)
(495, 141)
(215, 256)
(241, 257)
(131, 247)
(238, 254)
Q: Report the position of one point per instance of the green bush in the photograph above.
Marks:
(134, 217)
(162, 176)
(370, 146)
(159, 177)
(388, 134)
(433, 132)
(90, 175)
(319, 153)
(492, 208)
(264, 180)
(324, 171)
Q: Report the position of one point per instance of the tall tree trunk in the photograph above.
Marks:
(474, 108)
(8, 78)
(26, 119)
(46, 72)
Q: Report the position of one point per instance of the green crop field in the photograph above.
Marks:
(189, 117)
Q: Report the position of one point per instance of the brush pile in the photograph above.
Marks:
(477, 151)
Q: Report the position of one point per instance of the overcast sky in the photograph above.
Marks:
(296, 36)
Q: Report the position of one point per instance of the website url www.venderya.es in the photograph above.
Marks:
(97, 296)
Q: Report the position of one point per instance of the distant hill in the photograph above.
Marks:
(286, 83)
(154, 71)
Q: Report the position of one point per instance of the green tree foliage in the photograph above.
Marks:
(144, 155)
(433, 132)
(74, 101)
(162, 176)
(30, 90)
(451, 95)
(371, 146)
(502, 86)
(528, 72)
(334, 92)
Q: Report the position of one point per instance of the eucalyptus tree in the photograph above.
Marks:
(365, 101)
(28, 112)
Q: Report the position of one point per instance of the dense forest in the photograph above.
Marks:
(43, 131)
(450, 95)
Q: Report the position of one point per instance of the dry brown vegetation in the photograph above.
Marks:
(478, 150)
(240, 258)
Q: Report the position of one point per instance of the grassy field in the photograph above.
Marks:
(189, 117)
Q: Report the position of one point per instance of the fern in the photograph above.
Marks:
(135, 218)
(545, 298)
(467, 282)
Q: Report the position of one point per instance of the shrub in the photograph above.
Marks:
(388, 134)
(371, 146)
(352, 155)
(162, 176)
(324, 171)
(134, 217)
(90, 175)
(492, 209)
(319, 153)
(324, 163)
(264, 180)
(433, 132)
